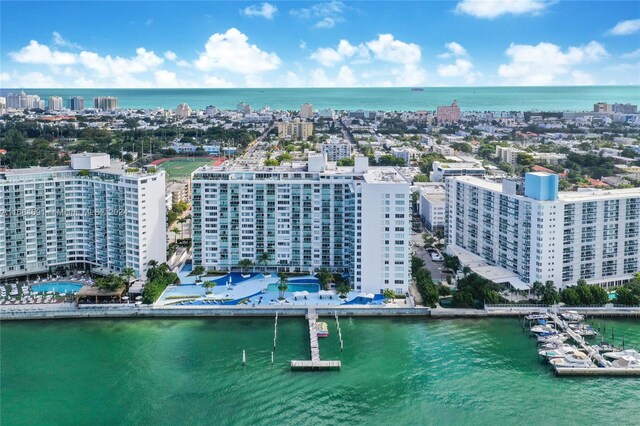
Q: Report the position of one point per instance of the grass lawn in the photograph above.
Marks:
(181, 169)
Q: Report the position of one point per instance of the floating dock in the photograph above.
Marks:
(602, 368)
(315, 363)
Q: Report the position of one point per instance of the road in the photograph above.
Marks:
(434, 267)
(257, 144)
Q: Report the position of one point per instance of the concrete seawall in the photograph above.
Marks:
(162, 312)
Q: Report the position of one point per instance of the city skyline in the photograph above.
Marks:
(319, 44)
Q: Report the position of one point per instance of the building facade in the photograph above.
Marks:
(183, 111)
(448, 114)
(92, 214)
(306, 111)
(296, 129)
(431, 205)
(55, 103)
(76, 103)
(543, 234)
(441, 171)
(335, 149)
(105, 103)
(354, 220)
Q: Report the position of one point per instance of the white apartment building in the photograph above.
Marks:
(335, 149)
(354, 220)
(55, 103)
(431, 205)
(183, 111)
(510, 155)
(93, 214)
(542, 234)
(407, 153)
(441, 171)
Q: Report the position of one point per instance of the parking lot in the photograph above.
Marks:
(417, 248)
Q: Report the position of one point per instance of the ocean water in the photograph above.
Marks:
(563, 98)
(395, 371)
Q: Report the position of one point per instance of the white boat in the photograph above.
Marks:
(626, 361)
(584, 330)
(554, 338)
(543, 329)
(627, 352)
(572, 316)
(575, 360)
(559, 352)
(536, 317)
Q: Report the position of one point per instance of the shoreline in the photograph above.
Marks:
(131, 311)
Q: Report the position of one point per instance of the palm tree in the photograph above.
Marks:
(244, 263)
(388, 294)
(197, 271)
(325, 277)
(182, 221)
(127, 274)
(264, 258)
(343, 288)
(466, 271)
(209, 285)
(538, 289)
(176, 231)
(283, 285)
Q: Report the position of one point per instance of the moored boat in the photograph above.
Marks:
(322, 330)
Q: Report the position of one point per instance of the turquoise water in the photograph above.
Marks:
(395, 371)
(311, 288)
(58, 287)
(566, 98)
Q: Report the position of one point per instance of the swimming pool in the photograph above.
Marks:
(58, 287)
(292, 287)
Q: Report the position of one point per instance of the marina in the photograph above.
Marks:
(552, 330)
(315, 363)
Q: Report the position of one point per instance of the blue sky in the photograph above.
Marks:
(318, 44)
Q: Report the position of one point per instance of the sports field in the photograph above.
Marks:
(181, 169)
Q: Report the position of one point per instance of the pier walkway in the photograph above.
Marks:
(586, 348)
(315, 363)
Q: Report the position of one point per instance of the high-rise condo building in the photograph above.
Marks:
(540, 234)
(93, 214)
(354, 220)
(105, 103)
(183, 111)
(296, 129)
(448, 114)
(55, 103)
(76, 103)
(306, 111)
(336, 149)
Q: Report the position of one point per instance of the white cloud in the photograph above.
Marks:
(543, 63)
(182, 63)
(328, 56)
(631, 26)
(302, 45)
(4, 76)
(121, 68)
(459, 68)
(326, 15)
(168, 79)
(36, 53)
(581, 78)
(58, 40)
(265, 10)
(35, 79)
(170, 56)
(387, 48)
(408, 75)
(232, 52)
(213, 81)
(454, 50)
(490, 9)
(148, 22)
(631, 55)
(344, 78)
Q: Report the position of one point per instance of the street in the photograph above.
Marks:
(434, 267)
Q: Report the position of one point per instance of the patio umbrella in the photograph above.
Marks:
(125, 298)
(138, 297)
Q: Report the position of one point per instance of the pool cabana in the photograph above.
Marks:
(98, 293)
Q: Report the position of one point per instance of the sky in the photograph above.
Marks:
(180, 44)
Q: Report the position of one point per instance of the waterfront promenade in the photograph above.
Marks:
(70, 310)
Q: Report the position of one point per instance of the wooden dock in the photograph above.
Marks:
(315, 363)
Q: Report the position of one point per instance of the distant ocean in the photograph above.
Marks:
(567, 98)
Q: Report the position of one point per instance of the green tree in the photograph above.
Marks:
(491, 296)
(343, 289)
(264, 258)
(182, 221)
(624, 296)
(349, 161)
(550, 295)
(197, 271)
(127, 274)
(421, 177)
(283, 285)
(244, 263)
(416, 264)
(325, 277)
(462, 299)
(569, 296)
(452, 262)
(110, 283)
(175, 231)
(388, 294)
(537, 289)
(209, 285)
